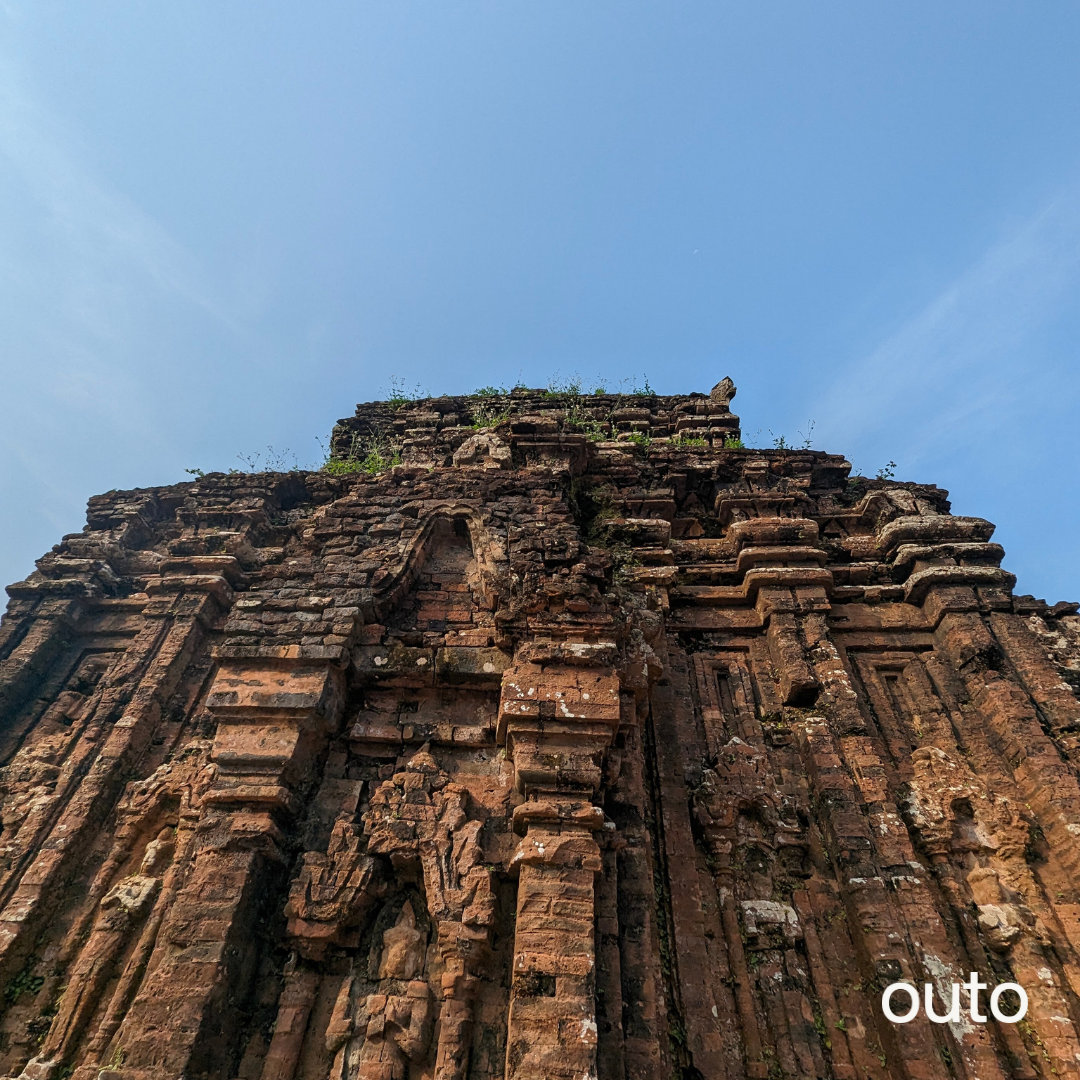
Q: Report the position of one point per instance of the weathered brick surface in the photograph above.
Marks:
(581, 744)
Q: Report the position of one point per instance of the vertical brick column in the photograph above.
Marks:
(114, 738)
(274, 715)
(902, 931)
(556, 722)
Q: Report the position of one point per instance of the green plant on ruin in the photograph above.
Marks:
(1030, 1034)
(577, 419)
(640, 440)
(594, 510)
(887, 471)
(487, 416)
(273, 461)
(623, 562)
(592, 506)
(819, 1026)
(780, 442)
(371, 456)
(490, 391)
(116, 1061)
(25, 982)
(689, 442)
(782, 890)
(39, 1027)
(593, 430)
(573, 386)
(855, 488)
(400, 394)
(564, 387)
(676, 1032)
(732, 443)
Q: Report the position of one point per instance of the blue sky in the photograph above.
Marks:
(222, 225)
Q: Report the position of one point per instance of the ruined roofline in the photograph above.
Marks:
(432, 430)
(526, 395)
(522, 401)
(721, 394)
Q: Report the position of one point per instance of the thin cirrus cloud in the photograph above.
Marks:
(978, 391)
(97, 231)
(89, 284)
(954, 374)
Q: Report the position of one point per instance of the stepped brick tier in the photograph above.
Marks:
(583, 743)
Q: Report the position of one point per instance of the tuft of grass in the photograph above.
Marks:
(640, 440)
(490, 391)
(400, 394)
(488, 417)
(734, 444)
(363, 456)
(591, 429)
(780, 442)
(594, 431)
(560, 387)
(274, 461)
(578, 420)
(690, 442)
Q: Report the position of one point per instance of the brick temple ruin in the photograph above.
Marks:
(583, 743)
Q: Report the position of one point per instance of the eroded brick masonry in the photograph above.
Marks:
(584, 743)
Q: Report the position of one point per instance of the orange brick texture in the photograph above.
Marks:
(582, 744)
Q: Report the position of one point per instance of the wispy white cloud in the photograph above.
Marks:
(101, 309)
(99, 229)
(954, 370)
(88, 281)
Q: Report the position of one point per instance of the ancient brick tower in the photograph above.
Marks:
(583, 744)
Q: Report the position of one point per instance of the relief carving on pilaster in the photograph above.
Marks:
(419, 822)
